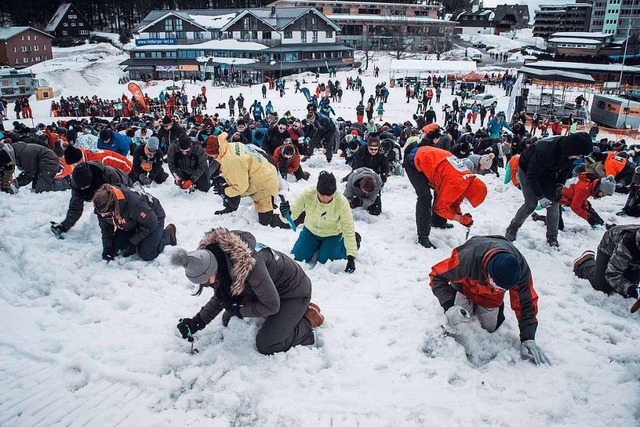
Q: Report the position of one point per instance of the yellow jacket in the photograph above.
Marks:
(247, 173)
(325, 220)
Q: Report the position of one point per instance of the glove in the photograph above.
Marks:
(58, 229)
(108, 254)
(144, 179)
(186, 184)
(219, 186)
(23, 179)
(187, 327)
(130, 250)
(529, 350)
(285, 208)
(559, 188)
(544, 203)
(355, 202)
(351, 265)
(146, 166)
(178, 182)
(456, 315)
(634, 291)
(466, 220)
(226, 317)
(224, 211)
(234, 311)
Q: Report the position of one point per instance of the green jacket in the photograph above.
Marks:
(326, 220)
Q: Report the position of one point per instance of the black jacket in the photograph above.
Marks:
(102, 174)
(622, 244)
(274, 139)
(140, 213)
(166, 137)
(378, 163)
(140, 156)
(190, 166)
(547, 164)
(34, 159)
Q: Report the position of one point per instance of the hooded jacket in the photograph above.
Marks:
(622, 244)
(33, 159)
(107, 157)
(187, 166)
(377, 162)
(546, 163)
(102, 174)
(577, 194)
(353, 190)
(260, 276)
(466, 272)
(118, 143)
(451, 180)
(247, 173)
(166, 137)
(140, 214)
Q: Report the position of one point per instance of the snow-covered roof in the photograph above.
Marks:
(57, 17)
(7, 33)
(226, 44)
(435, 66)
(229, 61)
(379, 18)
(573, 40)
(584, 67)
(368, 3)
(581, 34)
(212, 22)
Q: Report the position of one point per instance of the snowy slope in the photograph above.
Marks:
(90, 343)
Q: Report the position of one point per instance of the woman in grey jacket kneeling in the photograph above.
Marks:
(250, 280)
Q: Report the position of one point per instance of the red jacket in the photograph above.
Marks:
(466, 271)
(513, 173)
(293, 164)
(109, 158)
(614, 164)
(450, 179)
(576, 195)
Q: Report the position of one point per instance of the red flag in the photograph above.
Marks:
(137, 93)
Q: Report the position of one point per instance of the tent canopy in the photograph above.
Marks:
(472, 77)
(556, 75)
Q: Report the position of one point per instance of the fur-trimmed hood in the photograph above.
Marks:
(239, 248)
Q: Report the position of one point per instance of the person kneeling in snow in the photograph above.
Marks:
(188, 164)
(250, 280)
(287, 159)
(363, 190)
(131, 222)
(474, 280)
(616, 267)
(328, 232)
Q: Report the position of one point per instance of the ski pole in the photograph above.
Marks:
(288, 215)
(191, 340)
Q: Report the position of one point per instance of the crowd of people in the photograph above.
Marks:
(252, 153)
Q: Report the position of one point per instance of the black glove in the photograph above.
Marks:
(23, 179)
(234, 311)
(58, 229)
(351, 264)
(108, 254)
(130, 250)
(144, 179)
(285, 208)
(226, 317)
(219, 184)
(224, 211)
(355, 202)
(559, 188)
(189, 327)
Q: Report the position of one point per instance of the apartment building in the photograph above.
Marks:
(24, 46)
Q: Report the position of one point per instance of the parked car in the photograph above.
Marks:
(486, 100)
(480, 45)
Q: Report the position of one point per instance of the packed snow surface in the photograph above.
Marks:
(90, 343)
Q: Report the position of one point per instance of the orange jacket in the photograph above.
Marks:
(450, 179)
(109, 158)
(513, 174)
(614, 164)
(576, 195)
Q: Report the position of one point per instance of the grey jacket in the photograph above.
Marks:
(33, 159)
(622, 244)
(190, 166)
(260, 276)
(352, 189)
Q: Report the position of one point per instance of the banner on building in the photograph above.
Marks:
(137, 94)
(188, 68)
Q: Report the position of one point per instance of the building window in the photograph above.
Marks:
(314, 38)
(44, 47)
(24, 49)
(35, 38)
(73, 24)
(25, 60)
(329, 34)
(15, 49)
(168, 25)
(246, 23)
(36, 48)
(303, 36)
(266, 35)
(72, 16)
(303, 24)
(288, 35)
(45, 57)
(64, 24)
(178, 24)
(80, 24)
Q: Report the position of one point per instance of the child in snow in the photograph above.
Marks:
(250, 280)
(380, 110)
(475, 278)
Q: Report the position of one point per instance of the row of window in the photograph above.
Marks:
(73, 24)
(173, 24)
(26, 59)
(82, 32)
(29, 48)
(35, 37)
(287, 56)
(245, 35)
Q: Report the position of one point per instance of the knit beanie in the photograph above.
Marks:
(504, 269)
(283, 121)
(82, 176)
(607, 185)
(326, 183)
(72, 155)
(153, 143)
(198, 265)
(167, 120)
(212, 147)
(185, 142)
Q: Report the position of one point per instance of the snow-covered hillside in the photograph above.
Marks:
(90, 343)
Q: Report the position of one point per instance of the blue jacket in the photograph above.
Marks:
(494, 127)
(118, 143)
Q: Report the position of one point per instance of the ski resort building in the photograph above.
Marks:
(24, 46)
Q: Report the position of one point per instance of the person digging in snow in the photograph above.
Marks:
(475, 278)
(250, 280)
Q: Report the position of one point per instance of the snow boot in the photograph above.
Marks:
(443, 225)
(553, 242)
(424, 241)
(314, 316)
(511, 234)
(587, 255)
(171, 231)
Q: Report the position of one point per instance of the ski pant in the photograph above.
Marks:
(529, 206)
(328, 248)
(490, 318)
(593, 270)
(376, 208)
(632, 207)
(46, 181)
(288, 327)
(149, 247)
(425, 217)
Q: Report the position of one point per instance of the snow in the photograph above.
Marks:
(432, 66)
(87, 342)
(383, 18)
(226, 44)
(573, 40)
(213, 22)
(222, 60)
(585, 66)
